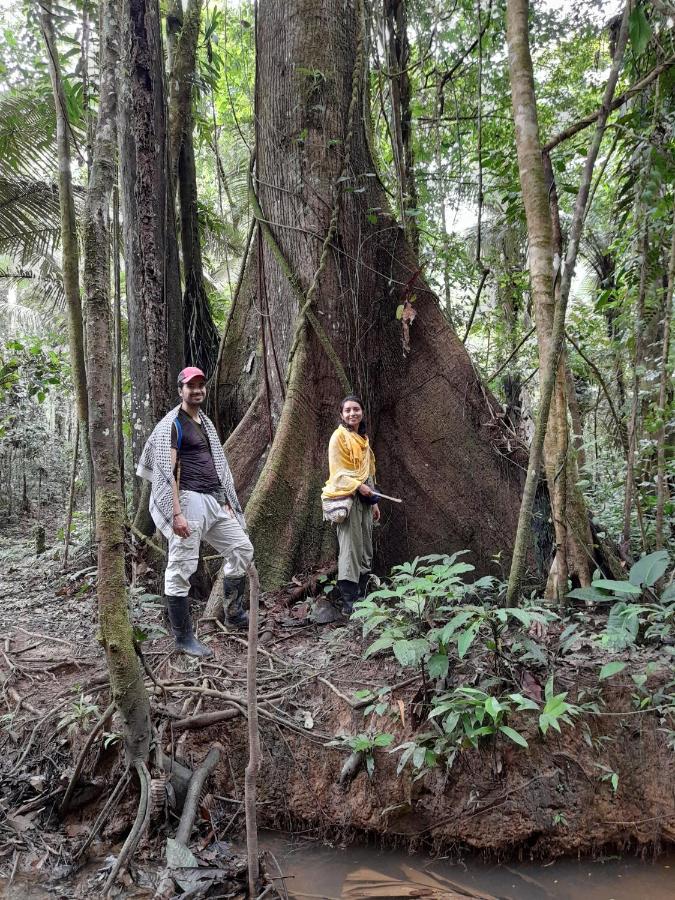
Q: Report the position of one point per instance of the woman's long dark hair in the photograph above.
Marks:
(354, 398)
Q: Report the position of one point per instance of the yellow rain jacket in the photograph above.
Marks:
(350, 463)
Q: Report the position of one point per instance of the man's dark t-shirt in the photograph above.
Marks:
(197, 470)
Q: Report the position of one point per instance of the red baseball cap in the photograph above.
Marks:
(189, 373)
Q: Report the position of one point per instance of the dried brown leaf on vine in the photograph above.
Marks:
(406, 312)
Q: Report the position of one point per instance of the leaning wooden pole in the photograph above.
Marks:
(250, 778)
(529, 162)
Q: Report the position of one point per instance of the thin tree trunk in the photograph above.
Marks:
(664, 383)
(118, 409)
(630, 492)
(254, 754)
(200, 334)
(574, 542)
(150, 248)
(71, 495)
(126, 676)
(69, 247)
(535, 199)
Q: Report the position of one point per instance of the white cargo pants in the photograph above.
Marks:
(207, 521)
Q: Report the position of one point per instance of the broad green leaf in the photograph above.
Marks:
(647, 571)
(514, 735)
(611, 668)
(418, 757)
(437, 665)
(456, 622)
(383, 740)
(590, 593)
(382, 643)
(523, 702)
(410, 653)
(493, 707)
(523, 617)
(466, 638)
(617, 587)
(640, 30)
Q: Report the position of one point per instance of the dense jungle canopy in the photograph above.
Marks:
(309, 201)
(461, 211)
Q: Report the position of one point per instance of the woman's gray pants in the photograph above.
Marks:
(355, 539)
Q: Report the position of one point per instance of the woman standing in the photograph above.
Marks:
(351, 466)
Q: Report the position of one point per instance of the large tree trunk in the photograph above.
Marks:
(201, 336)
(70, 256)
(437, 440)
(150, 247)
(126, 676)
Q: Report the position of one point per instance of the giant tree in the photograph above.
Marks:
(333, 298)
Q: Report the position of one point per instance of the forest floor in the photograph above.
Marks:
(606, 781)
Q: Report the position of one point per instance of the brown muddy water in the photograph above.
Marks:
(318, 872)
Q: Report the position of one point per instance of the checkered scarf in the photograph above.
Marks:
(155, 466)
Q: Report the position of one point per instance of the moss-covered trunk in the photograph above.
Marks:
(126, 677)
(437, 439)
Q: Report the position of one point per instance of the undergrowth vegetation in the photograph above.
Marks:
(492, 672)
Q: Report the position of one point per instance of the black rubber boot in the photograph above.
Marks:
(233, 602)
(349, 592)
(178, 611)
(363, 584)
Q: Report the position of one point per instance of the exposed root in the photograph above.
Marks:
(194, 793)
(139, 827)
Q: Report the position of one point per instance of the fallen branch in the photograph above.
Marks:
(139, 827)
(204, 720)
(351, 768)
(194, 792)
(251, 774)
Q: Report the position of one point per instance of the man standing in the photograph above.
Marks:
(193, 498)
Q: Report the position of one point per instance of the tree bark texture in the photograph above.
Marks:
(200, 334)
(70, 256)
(535, 199)
(126, 676)
(432, 424)
(398, 61)
(151, 250)
(574, 542)
(665, 380)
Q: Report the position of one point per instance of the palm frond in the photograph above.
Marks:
(27, 131)
(30, 224)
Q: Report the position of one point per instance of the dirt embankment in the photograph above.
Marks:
(607, 781)
(554, 798)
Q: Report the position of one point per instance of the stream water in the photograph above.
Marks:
(317, 872)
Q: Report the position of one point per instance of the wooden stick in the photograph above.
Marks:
(253, 766)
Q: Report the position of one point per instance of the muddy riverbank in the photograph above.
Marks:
(603, 785)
